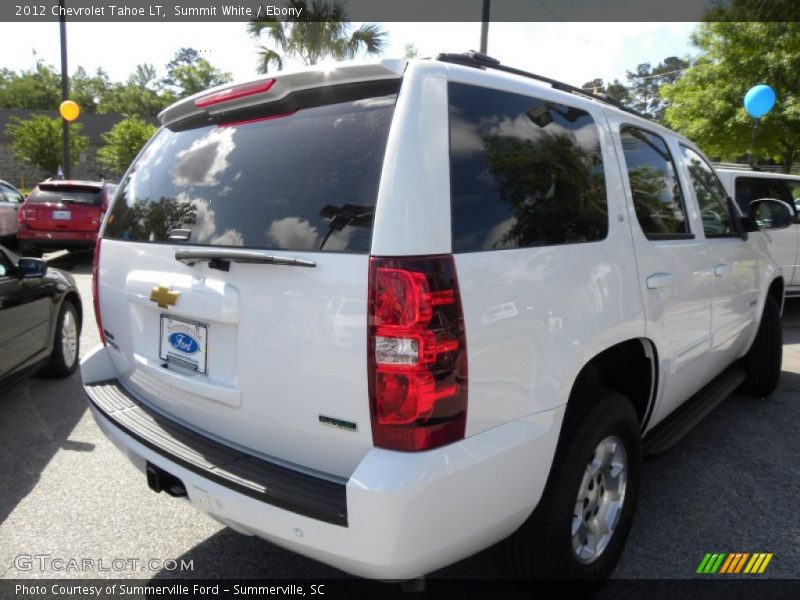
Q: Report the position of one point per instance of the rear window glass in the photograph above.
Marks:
(304, 181)
(524, 172)
(66, 195)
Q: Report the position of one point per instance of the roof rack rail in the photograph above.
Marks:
(479, 60)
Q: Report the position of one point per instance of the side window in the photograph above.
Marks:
(657, 195)
(711, 197)
(524, 172)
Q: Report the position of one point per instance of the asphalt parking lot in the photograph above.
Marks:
(730, 486)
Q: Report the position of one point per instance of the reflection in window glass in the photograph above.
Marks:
(711, 197)
(524, 172)
(306, 181)
(657, 195)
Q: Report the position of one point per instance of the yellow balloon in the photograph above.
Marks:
(69, 109)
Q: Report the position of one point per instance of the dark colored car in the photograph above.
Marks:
(61, 214)
(40, 319)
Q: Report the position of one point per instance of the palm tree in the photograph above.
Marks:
(321, 31)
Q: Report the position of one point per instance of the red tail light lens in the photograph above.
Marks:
(417, 353)
(26, 214)
(96, 291)
(234, 93)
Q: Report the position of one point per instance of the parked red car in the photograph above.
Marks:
(61, 214)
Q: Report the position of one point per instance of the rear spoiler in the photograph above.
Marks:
(259, 91)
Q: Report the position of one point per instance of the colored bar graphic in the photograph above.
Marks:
(716, 565)
(741, 562)
(729, 564)
(764, 564)
(703, 563)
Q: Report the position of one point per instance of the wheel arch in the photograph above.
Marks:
(75, 299)
(629, 367)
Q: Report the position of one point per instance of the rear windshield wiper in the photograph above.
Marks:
(222, 258)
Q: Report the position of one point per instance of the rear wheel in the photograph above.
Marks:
(582, 521)
(66, 344)
(763, 361)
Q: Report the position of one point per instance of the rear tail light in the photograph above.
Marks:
(96, 290)
(27, 214)
(417, 353)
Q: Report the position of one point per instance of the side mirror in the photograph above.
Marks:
(31, 268)
(767, 214)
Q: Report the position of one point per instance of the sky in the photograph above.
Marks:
(571, 52)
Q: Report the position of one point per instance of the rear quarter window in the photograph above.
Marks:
(524, 172)
(303, 181)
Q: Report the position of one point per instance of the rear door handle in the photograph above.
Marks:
(658, 280)
(721, 269)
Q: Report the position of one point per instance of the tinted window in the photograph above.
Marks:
(305, 181)
(755, 188)
(65, 194)
(524, 172)
(657, 195)
(711, 197)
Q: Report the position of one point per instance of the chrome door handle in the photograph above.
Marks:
(721, 269)
(658, 280)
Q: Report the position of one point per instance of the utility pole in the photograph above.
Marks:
(65, 165)
(485, 27)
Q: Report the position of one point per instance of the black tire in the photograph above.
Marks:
(29, 250)
(763, 361)
(61, 363)
(542, 548)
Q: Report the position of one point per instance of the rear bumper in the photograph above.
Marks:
(404, 514)
(57, 239)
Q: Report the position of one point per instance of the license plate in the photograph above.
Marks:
(184, 343)
(62, 215)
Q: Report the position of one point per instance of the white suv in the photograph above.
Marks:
(386, 315)
(746, 185)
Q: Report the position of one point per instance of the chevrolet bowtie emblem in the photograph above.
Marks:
(162, 296)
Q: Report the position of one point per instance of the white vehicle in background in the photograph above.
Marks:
(388, 314)
(746, 185)
(10, 201)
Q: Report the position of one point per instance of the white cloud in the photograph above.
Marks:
(205, 159)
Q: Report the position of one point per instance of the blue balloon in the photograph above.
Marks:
(759, 100)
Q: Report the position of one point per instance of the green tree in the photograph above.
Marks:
(322, 31)
(123, 142)
(645, 82)
(37, 142)
(411, 50)
(88, 90)
(189, 73)
(36, 89)
(706, 104)
(142, 95)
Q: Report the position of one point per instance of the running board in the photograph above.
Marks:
(672, 429)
